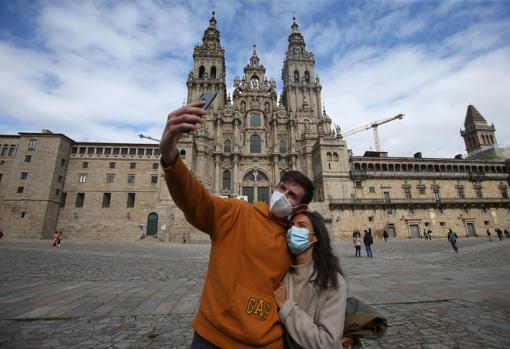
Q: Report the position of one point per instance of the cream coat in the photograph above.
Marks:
(316, 320)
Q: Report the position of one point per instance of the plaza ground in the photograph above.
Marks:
(144, 294)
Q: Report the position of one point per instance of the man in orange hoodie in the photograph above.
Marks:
(249, 254)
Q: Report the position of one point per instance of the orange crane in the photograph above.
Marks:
(373, 125)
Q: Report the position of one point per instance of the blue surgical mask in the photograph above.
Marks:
(297, 240)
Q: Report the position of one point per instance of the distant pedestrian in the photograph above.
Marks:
(183, 238)
(489, 234)
(429, 233)
(357, 245)
(500, 234)
(385, 235)
(60, 236)
(368, 241)
(55, 238)
(452, 237)
(425, 235)
(507, 234)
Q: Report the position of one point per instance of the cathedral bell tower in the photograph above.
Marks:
(209, 67)
(301, 87)
(477, 134)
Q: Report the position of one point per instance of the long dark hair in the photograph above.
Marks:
(326, 264)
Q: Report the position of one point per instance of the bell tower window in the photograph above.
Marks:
(307, 76)
(255, 144)
(227, 148)
(201, 72)
(213, 72)
(255, 120)
(296, 76)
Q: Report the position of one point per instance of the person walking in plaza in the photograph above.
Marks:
(429, 233)
(60, 237)
(489, 234)
(452, 237)
(55, 238)
(385, 235)
(249, 254)
(357, 245)
(368, 241)
(183, 238)
(425, 235)
(500, 234)
(313, 294)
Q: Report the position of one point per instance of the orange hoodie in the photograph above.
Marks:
(249, 257)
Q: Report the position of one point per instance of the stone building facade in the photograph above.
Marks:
(116, 191)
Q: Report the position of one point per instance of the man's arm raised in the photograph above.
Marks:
(184, 119)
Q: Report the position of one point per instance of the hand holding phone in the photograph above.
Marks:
(208, 98)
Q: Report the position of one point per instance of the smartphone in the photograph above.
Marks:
(208, 98)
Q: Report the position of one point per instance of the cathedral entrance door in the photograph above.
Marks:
(255, 185)
(391, 230)
(414, 231)
(152, 224)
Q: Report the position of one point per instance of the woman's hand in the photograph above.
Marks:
(280, 295)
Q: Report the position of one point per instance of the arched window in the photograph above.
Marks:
(283, 147)
(296, 76)
(226, 180)
(255, 144)
(328, 156)
(227, 148)
(255, 120)
(213, 72)
(307, 76)
(201, 72)
(183, 154)
(335, 157)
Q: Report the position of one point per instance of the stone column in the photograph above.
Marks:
(217, 174)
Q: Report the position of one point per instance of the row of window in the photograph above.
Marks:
(107, 197)
(486, 140)
(332, 156)
(202, 73)
(428, 168)
(110, 177)
(112, 164)
(435, 192)
(255, 145)
(114, 151)
(296, 76)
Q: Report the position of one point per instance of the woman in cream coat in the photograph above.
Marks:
(312, 296)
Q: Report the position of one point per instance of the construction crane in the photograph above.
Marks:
(373, 125)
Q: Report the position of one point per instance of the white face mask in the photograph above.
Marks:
(280, 205)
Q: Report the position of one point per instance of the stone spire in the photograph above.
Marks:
(477, 134)
(473, 118)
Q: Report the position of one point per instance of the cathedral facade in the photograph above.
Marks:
(116, 191)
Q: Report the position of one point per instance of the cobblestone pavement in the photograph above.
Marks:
(144, 294)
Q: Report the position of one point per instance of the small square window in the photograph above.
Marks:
(83, 178)
(106, 199)
(23, 214)
(99, 151)
(28, 158)
(132, 165)
(116, 151)
(83, 150)
(358, 184)
(24, 175)
(156, 152)
(124, 151)
(148, 152)
(442, 224)
(74, 150)
(112, 165)
(155, 165)
(371, 189)
(371, 218)
(486, 222)
(84, 164)
(132, 151)
(107, 151)
(90, 150)
(131, 178)
(109, 178)
(20, 190)
(140, 151)
(154, 179)
(80, 199)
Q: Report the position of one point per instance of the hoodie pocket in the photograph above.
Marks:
(251, 317)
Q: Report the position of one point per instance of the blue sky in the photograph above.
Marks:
(108, 70)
